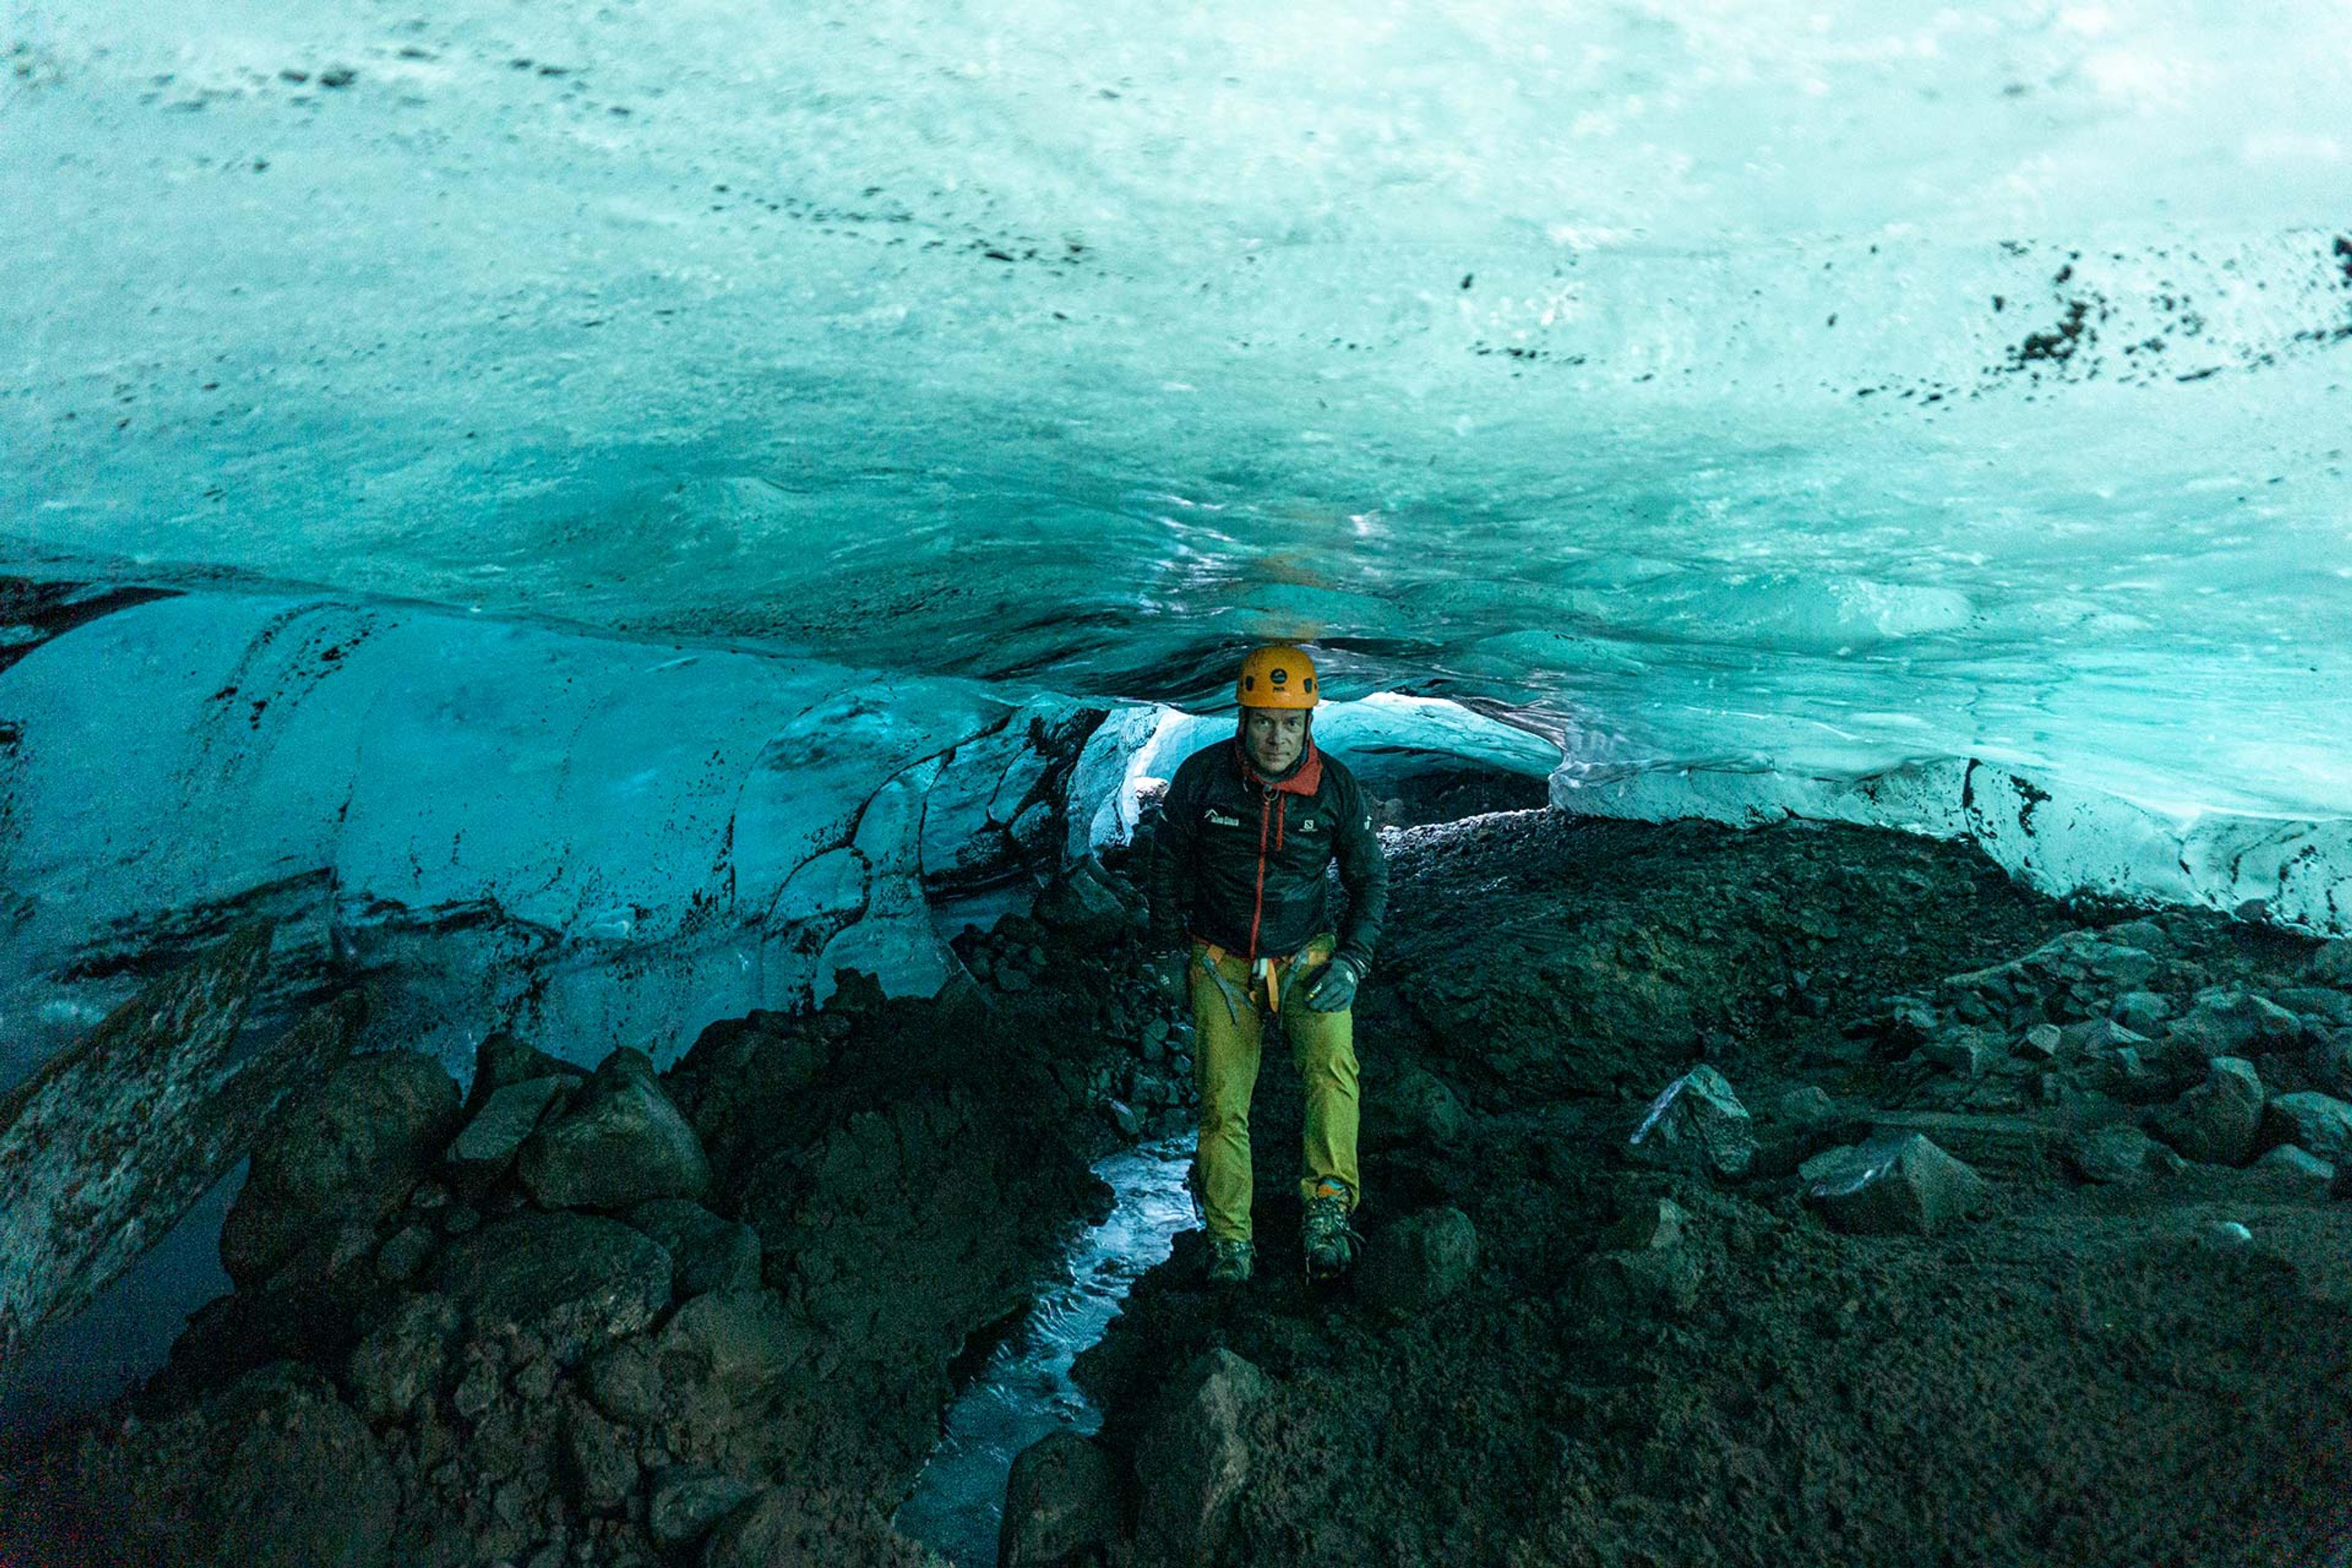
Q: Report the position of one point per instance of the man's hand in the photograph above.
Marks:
(1171, 977)
(1335, 989)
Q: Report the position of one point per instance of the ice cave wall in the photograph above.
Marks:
(591, 841)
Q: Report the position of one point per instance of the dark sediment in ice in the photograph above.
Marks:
(1909, 1331)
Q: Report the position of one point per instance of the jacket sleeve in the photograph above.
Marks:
(1175, 847)
(1364, 874)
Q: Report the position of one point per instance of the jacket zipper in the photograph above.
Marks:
(1258, 910)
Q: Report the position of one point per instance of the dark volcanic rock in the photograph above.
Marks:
(2317, 1123)
(707, 1253)
(1412, 1108)
(2121, 1154)
(502, 1060)
(404, 1359)
(621, 1142)
(1418, 1261)
(298, 1482)
(574, 1281)
(1896, 1183)
(504, 1119)
(2215, 1121)
(1086, 905)
(1697, 1124)
(1195, 1459)
(686, 1501)
(345, 1153)
(1060, 1499)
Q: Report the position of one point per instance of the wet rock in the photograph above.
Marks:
(1414, 1110)
(1650, 1225)
(2318, 1005)
(599, 1470)
(1418, 1261)
(296, 1480)
(707, 1253)
(2295, 1164)
(687, 1501)
(114, 1137)
(2041, 1043)
(621, 1142)
(1059, 1501)
(2100, 1037)
(2216, 1121)
(508, 1117)
(1087, 905)
(2146, 935)
(2318, 1123)
(574, 1280)
(1962, 1056)
(2121, 1154)
(402, 1360)
(1698, 1125)
(1195, 1459)
(346, 1154)
(501, 1062)
(1897, 1184)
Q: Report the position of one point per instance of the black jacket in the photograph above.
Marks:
(1241, 863)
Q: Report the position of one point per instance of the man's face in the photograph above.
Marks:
(1274, 737)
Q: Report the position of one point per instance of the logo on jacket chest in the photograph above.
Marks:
(1222, 820)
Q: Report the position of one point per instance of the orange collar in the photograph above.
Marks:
(1304, 779)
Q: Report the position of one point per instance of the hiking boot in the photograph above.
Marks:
(1230, 1261)
(1330, 1244)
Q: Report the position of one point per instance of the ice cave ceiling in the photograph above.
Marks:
(1723, 381)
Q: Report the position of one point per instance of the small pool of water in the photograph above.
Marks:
(1025, 1391)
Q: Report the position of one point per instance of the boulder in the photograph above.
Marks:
(771, 1530)
(1059, 1501)
(2226, 1023)
(2216, 1121)
(508, 1116)
(625, 1383)
(1649, 1224)
(2330, 1065)
(574, 1280)
(1896, 1183)
(1963, 1054)
(621, 1142)
(1088, 905)
(1194, 1460)
(402, 1360)
(2298, 1165)
(2041, 1043)
(2120, 1155)
(707, 1253)
(294, 1479)
(350, 1151)
(716, 1352)
(685, 1502)
(2331, 964)
(2142, 1012)
(1418, 1261)
(2318, 1123)
(1808, 1106)
(1697, 1124)
(502, 1060)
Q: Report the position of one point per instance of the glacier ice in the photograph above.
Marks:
(1894, 412)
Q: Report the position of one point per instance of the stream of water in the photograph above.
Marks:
(1025, 1391)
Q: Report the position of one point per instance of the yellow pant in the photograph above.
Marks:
(1228, 1026)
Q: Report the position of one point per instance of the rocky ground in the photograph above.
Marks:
(1792, 1195)
(1974, 1229)
(628, 1318)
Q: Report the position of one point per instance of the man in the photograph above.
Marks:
(1248, 828)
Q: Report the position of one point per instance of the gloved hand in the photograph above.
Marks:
(1172, 976)
(1335, 989)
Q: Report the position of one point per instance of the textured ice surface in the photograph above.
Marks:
(1757, 397)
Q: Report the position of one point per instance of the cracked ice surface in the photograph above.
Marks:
(1754, 398)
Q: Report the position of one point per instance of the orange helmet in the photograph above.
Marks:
(1276, 678)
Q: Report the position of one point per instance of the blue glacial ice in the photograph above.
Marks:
(765, 476)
